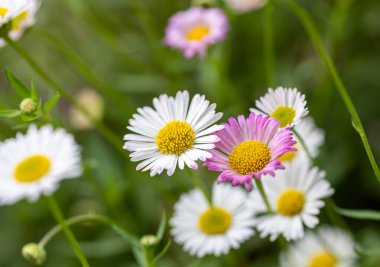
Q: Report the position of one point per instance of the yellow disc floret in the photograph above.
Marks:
(214, 221)
(175, 138)
(249, 157)
(285, 115)
(288, 156)
(197, 33)
(290, 202)
(32, 169)
(324, 259)
(16, 22)
(3, 11)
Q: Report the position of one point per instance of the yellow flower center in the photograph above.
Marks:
(214, 221)
(285, 115)
(197, 33)
(289, 156)
(324, 259)
(32, 169)
(3, 11)
(175, 138)
(249, 157)
(290, 202)
(17, 20)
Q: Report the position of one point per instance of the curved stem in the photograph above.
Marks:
(303, 144)
(269, 44)
(103, 129)
(57, 213)
(260, 186)
(198, 182)
(315, 38)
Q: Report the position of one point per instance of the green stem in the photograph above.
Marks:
(315, 38)
(303, 144)
(110, 92)
(103, 129)
(198, 182)
(260, 186)
(269, 44)
(57, 213)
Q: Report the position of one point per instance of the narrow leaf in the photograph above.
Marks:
(51, 103)
(359, 214)
(161, 227)
(163, 251)
(33, 91)
(10, 113)
(17, 85)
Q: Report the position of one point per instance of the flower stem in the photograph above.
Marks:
(198, 182)
(269, 44)
(260, 186)
(57, 213)
(315, 38)
(103, 129)
(303, 144)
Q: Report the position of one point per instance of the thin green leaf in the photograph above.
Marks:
(161, 227)
(33, 90)
(17, 85)
(359, 214)
(28, 117)
(51, 103)
(163, 251)
(10, 113)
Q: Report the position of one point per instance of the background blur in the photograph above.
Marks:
(121, 40)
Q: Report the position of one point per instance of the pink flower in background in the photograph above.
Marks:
(193, 30)
(249, 148)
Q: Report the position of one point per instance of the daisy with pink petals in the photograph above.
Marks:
(193, 30)
(249, 148)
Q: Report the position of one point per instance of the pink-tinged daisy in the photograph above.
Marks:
(286, 105)
(249, 148)
(175, 132)
(193, 30)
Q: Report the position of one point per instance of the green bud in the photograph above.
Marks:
(28, 105)
(149, 240)
(34, 253)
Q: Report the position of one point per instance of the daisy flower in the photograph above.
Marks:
(245, 5)
(173, 133)
(284, 104)
(312, 136)
(20, 14)
(193, 30)
(249, 148)
(295, 197)
(203, 228)
(329, 247)
(34, 163)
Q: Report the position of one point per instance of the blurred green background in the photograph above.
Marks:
(121, 41)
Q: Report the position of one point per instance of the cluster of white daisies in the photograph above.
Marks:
(178, 131)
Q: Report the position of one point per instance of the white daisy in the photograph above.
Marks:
(330, 247)
(34, 163)
(295, 196)
(312, 136)
(20, 13)
(284, 104)
(173, 133)
(215, 228)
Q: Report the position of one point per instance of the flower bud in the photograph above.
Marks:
(148, 240)
(28, 105)
(34, 253)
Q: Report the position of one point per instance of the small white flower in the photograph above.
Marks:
(34, 163)
(295, 196)
(331, 247)
(215, 228)
(20, 13)
(312, 136)
(173, 133)
(284, 104)
(245, 5)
